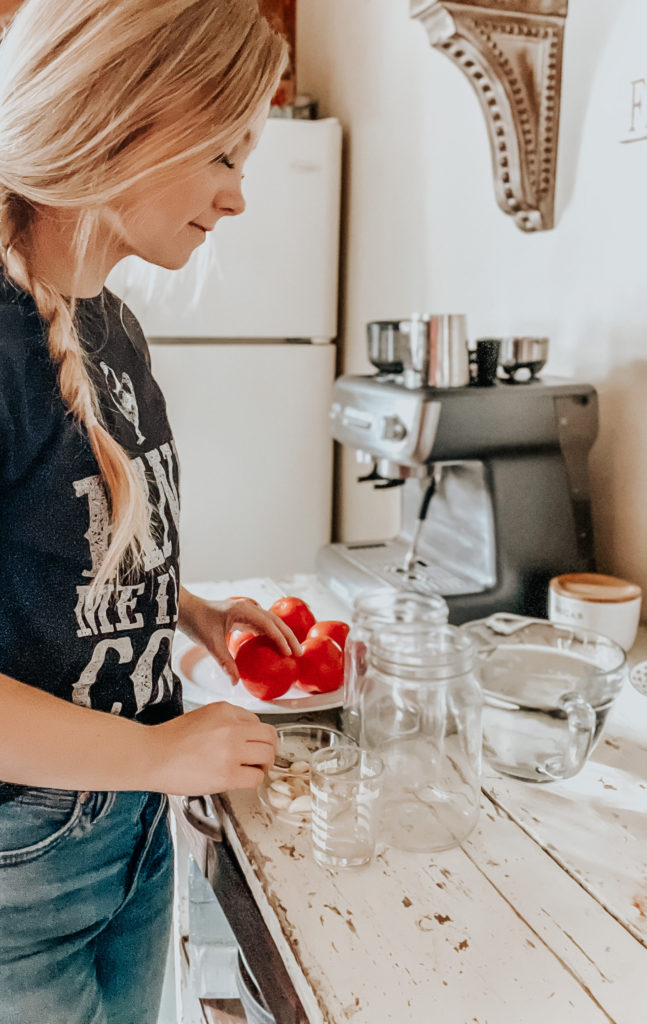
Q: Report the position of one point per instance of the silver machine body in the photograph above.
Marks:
(507, 468)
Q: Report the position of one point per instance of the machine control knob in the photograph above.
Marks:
(393, 429)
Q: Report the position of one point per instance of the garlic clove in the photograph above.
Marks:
(300, 787)
(281, 786)
(279, 800)
(302, 805)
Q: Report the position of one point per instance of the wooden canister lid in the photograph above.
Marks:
(594, 586)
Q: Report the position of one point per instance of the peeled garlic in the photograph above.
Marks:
(279, 800)
(282, 787)
(300, 787)
(289, 790)
(302, 805)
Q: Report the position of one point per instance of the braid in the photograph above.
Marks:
(130, 519)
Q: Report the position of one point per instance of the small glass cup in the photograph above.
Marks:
(345, 784)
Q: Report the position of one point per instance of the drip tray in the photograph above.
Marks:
(349, 568)
(386, 561)
(420, 579)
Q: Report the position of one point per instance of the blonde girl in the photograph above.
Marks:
(124, 128)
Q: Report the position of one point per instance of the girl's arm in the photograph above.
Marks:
(47, 741)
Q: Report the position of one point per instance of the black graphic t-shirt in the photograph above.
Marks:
(113, 656)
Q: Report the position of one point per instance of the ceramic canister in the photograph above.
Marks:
(605, 604)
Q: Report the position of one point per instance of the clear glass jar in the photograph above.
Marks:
(373, 612)
(420, 709)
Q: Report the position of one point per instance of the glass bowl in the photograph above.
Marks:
(285, 791)
(503, 636)
(548, 689)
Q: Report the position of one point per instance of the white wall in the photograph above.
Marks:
(422, 229)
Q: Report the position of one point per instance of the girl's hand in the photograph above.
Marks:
(212, 749)
(209, 623)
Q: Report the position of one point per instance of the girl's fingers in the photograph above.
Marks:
(248, 777)
(283, 636)
(221, 654)
(259, 754)
(274, 627)
(266, 733)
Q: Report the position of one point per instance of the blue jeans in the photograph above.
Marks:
(85, 907)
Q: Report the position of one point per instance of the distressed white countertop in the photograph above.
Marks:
(541, 916)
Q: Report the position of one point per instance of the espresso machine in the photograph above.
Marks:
(493, 480)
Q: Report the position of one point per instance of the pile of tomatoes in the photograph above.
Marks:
(268, 674)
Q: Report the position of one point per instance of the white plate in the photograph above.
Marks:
(204, 682)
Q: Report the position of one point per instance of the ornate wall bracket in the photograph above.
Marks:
(511, 51)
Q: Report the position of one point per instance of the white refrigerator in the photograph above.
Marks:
(247, 369)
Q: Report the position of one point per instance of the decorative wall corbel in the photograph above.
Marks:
(511, 51)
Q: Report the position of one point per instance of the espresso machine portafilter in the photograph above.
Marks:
(501, 472)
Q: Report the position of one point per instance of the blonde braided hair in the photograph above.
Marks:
(93, 96)
(130, 519)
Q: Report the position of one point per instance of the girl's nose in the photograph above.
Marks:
(231, 202)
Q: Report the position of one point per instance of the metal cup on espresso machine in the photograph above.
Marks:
(425, 349)
(493, 481)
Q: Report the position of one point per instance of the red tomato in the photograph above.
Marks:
(264, 671)
(337, 631)
(321, 666)
(296, 614)
(236, 639)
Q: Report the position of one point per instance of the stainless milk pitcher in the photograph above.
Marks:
(447, 363)
(420, 709)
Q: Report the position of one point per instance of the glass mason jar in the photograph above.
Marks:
(373, 612)
(420, 708)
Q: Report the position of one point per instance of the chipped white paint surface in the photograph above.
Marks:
(541, 915)
(595, 825)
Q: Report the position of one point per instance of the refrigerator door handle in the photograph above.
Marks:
(201, 814)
